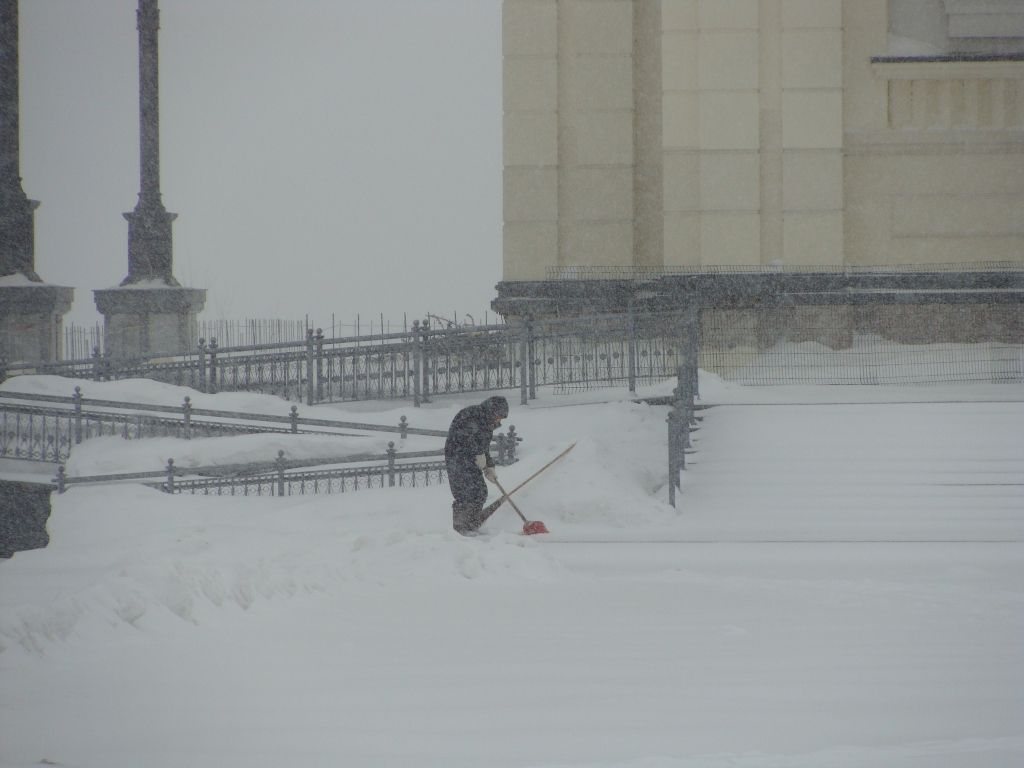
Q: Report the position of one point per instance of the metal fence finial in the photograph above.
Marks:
(512, 439)
(280, 472)
(186, 410)
(391, 464)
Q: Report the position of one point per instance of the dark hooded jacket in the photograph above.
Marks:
(471, 431)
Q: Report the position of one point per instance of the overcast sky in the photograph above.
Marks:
(324, 156)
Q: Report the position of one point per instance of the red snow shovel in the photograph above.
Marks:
(530, 527)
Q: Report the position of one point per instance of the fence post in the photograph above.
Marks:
(391, 465)
(280, 472)
(532, 353)
(677, 425)
(672, 474)
(213, 367)
(294, 416)
(524, 363)
(186, 410)
(683, 402)
(309, 366)
(416, 363)
(679, 432)
(403, 425)
(77, 397)
(61, 477)
(692, 336)
(202, 365)
(95, 363)
(169, 487)
(425, 355)
(631, 326)
(512, 439)
(319, 365)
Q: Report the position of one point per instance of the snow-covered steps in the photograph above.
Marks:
(939, 471)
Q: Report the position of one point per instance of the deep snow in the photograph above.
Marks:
(841, 586)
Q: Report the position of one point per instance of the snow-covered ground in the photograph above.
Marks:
(842, 585)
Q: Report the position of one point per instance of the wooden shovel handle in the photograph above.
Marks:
(499, 502)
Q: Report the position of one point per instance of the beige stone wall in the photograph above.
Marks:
(745, 132)
(934, 154)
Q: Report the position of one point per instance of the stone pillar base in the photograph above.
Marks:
(147, 320)
(32, 321)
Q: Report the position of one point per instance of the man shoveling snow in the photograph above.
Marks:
(468, 459)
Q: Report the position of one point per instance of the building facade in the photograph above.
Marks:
(702, 133)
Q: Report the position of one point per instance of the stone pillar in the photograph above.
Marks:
(149, 311)
(31, 311)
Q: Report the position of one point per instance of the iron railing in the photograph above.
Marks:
(387, 470)
(425, 361)
(321, 482)
(834, 344)
(49, 426)
(38, 433)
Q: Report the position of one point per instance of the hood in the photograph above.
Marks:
(496, 406)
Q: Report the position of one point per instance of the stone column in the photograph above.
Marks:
(31, 311)
(149, 311)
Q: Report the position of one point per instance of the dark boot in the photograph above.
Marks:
(467, 520)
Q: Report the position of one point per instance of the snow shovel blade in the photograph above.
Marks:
(534, 526)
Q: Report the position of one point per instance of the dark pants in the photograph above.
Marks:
(469, 491)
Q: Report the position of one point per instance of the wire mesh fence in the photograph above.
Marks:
(869, 359)
(843, 345)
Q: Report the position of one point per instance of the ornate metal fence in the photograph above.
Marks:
(39, 433)
(388, 470)
(425, 361)
(35, 434)
(321, 482)
(611, 350)
(840, 344)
